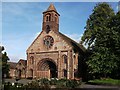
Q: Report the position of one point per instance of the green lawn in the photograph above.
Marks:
(105, 81)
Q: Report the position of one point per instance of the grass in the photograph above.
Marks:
(108, 81)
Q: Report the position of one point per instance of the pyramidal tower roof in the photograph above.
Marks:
(51, 7)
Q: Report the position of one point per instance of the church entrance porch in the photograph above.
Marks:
(47, 69)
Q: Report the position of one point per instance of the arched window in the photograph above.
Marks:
(48, 18)
(65, 59)
(32, 60)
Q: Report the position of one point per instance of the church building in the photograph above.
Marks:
(52, 54)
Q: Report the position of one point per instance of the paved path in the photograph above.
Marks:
(23, 81)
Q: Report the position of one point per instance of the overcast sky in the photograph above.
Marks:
(22, 22)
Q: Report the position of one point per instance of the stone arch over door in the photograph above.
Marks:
(48, 64)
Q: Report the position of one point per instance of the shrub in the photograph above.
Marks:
(44, 83)
(7, 85)
(31, 86)
(72, 83)
(53, 81)
(66, 83)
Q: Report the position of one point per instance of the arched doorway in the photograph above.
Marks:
(48, 65)
(31, 73)
(53, 70)
(19, 73)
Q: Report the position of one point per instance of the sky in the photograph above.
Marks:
(22, 22)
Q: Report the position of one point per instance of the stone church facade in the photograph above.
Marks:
(52, 54)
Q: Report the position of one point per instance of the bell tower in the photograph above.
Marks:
(50, 20)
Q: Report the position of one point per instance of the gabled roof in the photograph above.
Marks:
(73, 43)
(24, 62)
(12, 65)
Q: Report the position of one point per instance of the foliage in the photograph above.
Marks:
(53, 81)
(16, 86)
(96, 23)
(114, 25)
(72, 83)
(43, 84)
(103, 39)
(32, 85)
(61, 83)
(44, 81)
(5, 66)
(66, 83)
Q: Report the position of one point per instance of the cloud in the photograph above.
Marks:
(16, 46)
(118, 7)
(74, 36)
(77, 38)
(16, 43)
(14, 38)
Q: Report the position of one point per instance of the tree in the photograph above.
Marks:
(96, 23)
(114, 25)
(5, 66)
(99, 36)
